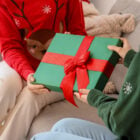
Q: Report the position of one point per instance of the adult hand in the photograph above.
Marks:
(84, 95)
(121, 51)
(35, 88)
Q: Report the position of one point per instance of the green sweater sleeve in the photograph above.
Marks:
(122, 115)
(129, 57)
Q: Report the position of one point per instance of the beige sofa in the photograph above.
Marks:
(56, 111)
(53, 112)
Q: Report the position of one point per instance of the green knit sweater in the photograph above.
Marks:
(122, 115)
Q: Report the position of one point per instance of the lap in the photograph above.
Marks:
(10, 86)
(57, 136)
(83, 128)
(27, 98)
(76, 129)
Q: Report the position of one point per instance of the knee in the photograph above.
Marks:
(10, 84)
(29, 100)
(9, 90)
(66, 123)
(27, 97)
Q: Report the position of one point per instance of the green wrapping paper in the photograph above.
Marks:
(51, 75)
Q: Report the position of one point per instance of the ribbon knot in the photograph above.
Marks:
(71, 64)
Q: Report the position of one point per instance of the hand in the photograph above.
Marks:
(67, 33)
(84, 95)
(121, 51)
(35, 88)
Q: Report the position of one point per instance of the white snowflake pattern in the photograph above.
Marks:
(46, 9)
(127, 88)
(17, 22)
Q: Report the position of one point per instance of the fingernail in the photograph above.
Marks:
(80, 90)
(32, 79)
(75, 93)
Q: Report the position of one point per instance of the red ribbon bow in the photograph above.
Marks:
(76, 67)
(71, 64)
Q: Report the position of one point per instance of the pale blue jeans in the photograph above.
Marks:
(76, 129)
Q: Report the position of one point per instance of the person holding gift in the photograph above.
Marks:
(37, 21)
(120, 115)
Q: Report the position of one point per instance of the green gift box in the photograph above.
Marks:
(65, 56)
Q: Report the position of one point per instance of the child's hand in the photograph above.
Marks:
(84, 95)
(37, 89)
(121, 51)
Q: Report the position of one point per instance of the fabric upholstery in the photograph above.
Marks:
(126, 6)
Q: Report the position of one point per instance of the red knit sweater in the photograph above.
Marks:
(34, 15)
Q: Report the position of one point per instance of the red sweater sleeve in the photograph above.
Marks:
(75, 18)
(11, 45)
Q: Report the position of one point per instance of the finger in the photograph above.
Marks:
(115, 48)
(82, 98)
(67, 32)
(125, 41)
(32, 87)
(77, 94)
(41, 91)
(84, 91)
(31, 78)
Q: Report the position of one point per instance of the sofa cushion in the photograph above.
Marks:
(127, 6)
(63, 109)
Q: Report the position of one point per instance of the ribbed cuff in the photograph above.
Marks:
(92, 97)
(129, 57)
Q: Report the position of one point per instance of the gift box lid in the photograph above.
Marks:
(51, 75)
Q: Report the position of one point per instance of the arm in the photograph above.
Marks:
(11, 45)
(117, 113)
(75, 18)
(13, 51)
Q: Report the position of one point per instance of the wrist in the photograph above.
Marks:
(129, 57)
(125, 53)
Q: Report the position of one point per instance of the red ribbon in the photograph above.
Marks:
(77, 66)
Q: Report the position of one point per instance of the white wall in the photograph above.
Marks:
(103, 6)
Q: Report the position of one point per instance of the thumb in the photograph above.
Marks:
(84, 91)
(31, 78)
(115, 49)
